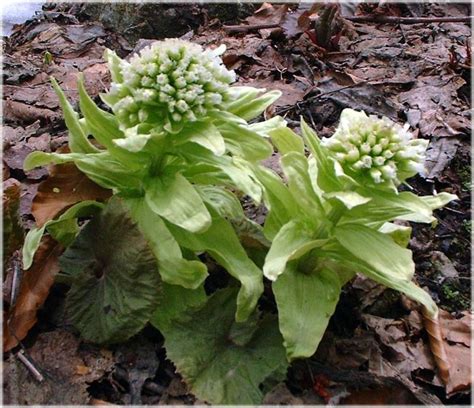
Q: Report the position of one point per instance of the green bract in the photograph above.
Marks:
(376, 150)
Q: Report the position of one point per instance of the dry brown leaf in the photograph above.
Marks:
(21, 112)
(268, 14)
(65, 186)
(12, 230)
(55, 353)
(433, 328)
(457, 341)
(34, 289)
(383, 395)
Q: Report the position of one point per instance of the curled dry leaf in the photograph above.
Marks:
(34, 289)
(433, 328)
(65, 186)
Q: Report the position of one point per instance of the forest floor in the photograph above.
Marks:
(375, 350)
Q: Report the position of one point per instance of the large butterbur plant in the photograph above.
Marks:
(176, 139)
(175, 147)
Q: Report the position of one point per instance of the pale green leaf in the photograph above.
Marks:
(377, 250)
(37, 159)
(62, 229)
(222, 243)
(205, 134)
(287, 141)
(248, 105)
(173, 268)
(350, 199)
(237, 171)
(401, 234)
(134, 141)
(278, 199)
(100, 167)
(106, 171)
(115, 281)
(292, 241)
(394, 281)
(439, 200)
(305, 304)
(223, 201)
(242, 141)
(175, 199)
(295, 167)
(220, 363)
(386, 206)
(78, 142)
(327, 178)
(104, 127)
(114, 63)
(265, 127)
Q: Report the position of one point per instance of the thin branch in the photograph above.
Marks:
(406, 20)
(247, 28)
(360, 19)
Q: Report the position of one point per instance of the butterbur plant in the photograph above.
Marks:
(177, 138)
(335, 217)
(175, 147)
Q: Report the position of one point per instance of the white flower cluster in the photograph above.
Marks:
(379, 148)
(171, 81)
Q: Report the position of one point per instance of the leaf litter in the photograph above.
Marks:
(411, 73)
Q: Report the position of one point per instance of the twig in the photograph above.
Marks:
(360, 19)
(406, 20)
(29, 365)
(247, 28)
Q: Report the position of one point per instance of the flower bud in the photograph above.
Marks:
(174, 80)
(376, 150)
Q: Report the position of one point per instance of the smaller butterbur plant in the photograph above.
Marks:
(176, 149)
(336, 216)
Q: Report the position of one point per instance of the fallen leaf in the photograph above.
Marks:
(65, 186)
(19, 112)
(361, 96)
(434, 99)
(34, 289)
(56, 354)
(457, 335)
(382, 395)
(12, 230)
(439, 154)
(139, 359)
(15, 72)
(268, 14)
(292, 92)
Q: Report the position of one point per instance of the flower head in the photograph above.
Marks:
(379, 150)
(169, 83)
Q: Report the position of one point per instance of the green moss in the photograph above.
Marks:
(465, 177)
(453, 299)
(467, 225)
